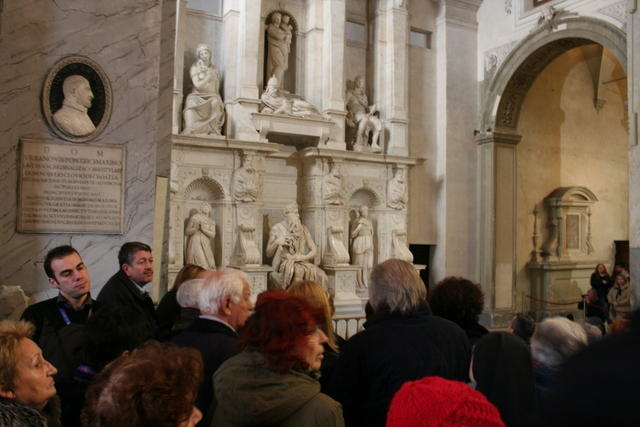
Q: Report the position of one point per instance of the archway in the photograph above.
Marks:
(498, 148)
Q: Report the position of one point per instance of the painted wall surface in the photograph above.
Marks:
(568, 142)
(422, 127)
(124, 38)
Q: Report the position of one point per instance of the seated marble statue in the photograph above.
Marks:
(276, 101)
(363, 117)
(293, 251)
(72, 117)
(245, 181)
(203, 108)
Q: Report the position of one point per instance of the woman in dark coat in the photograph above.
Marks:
(502, 370)
(602, 283)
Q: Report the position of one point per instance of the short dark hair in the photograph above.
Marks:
(55, 253)
(523, 326)
(125, 255)
(457, 299)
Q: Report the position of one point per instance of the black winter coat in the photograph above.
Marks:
(120, 290)
(394, 349)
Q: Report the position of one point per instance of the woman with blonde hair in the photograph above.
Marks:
(319, 298)
(27, 389)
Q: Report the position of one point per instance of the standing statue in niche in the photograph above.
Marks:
(397, 191)
(204, 109)
(293, 251)
(245, 181)
(279, 102)
(362, 245)
(72, 117)
(363, 117)
(201, 228)
(333, 185)
(279, 35)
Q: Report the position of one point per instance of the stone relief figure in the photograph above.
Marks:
(400, 246)
(362, 245)
(397, 191)
(246, 252)
(336, 254)
(245, 181)
(363, 117)
(293, 251)
(201, 228)
(276, 101)
(203, 108)
(332, 181)
(279, 35)
(72, 117)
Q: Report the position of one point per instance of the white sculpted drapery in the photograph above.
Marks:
(362, 246)
(279, 35)
(362, 117)
(204, 109)
(293, 251)
(201, 228)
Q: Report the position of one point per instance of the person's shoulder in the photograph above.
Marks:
(39, 309)
(111, 287)
(320, 411)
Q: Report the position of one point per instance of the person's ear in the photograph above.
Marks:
(225, 307)
(7, 394)
(53, 283)
(125, 269)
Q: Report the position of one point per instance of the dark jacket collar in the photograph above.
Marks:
(131, 286)
(210, 326)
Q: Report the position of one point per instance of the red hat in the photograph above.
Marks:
(436, 402)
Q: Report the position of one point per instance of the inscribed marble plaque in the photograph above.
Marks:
(70, 188)
(573, 231)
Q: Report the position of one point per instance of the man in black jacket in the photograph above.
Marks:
(60, 321)
(402, 341)
(128, 286)
(225, 303)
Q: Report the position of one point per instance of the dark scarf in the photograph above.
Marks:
(15, 414)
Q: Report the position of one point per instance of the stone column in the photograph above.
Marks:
(456, 160)
(243, 26)
(633, 79)
(333, 89)
(391, 73)
(497, 239)
(178, 66)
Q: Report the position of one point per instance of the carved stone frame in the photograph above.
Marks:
(52, 96)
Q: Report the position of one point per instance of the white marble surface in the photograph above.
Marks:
(123, 37)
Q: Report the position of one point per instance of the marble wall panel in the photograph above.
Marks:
(124, 38)
(203, 27)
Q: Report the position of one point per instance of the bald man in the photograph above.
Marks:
(72, 118)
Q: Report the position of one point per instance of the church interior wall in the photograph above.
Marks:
(422, 129)
(123, 38)
(203, 25)
(566, 142)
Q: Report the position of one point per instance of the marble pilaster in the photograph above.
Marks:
(633, 76)
(391, 73)
(498, 219)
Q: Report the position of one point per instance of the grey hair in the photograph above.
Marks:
(555, 339)
(395, 285)
(226, 283)
(187, 295)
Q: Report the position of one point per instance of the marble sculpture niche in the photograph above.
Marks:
(363, 119)
(293, 251)
(203, 112)
(361, 242)
(397, 190)
(245, 181)
(279, 37)
(200, 230)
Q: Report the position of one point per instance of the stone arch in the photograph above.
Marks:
(531, 55)
(364, 195)
(204, 188)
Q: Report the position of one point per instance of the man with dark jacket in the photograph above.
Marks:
(225, 304)
(60, 321)
(128, 286)
(402, 341)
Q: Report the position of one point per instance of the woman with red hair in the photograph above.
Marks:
(273, 381)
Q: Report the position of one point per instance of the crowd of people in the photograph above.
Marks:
(208, 356)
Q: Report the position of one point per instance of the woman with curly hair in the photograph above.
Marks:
(155, 385)
(461, 301)
(273, 380)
